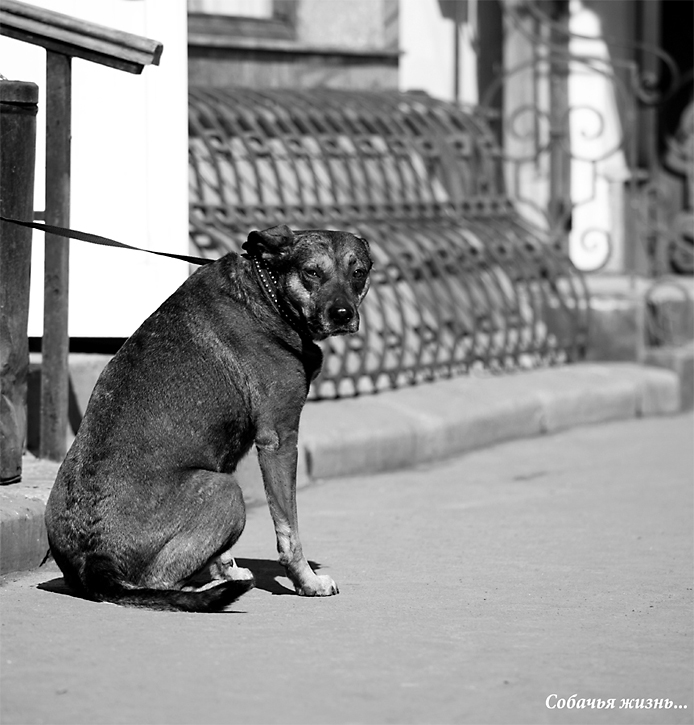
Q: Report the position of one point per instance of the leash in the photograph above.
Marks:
(267, 279)
(101, 241)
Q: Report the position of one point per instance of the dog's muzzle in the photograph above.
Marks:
(341, 313)
(340, 317)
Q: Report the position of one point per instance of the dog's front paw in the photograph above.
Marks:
(321, 585)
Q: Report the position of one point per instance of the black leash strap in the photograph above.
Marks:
(102, 241)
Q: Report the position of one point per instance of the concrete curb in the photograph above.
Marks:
(407, 427)
(680, 360)
(23, 542)
(399, 429)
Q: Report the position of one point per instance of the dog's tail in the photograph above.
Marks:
(212, 599)
(100, 582)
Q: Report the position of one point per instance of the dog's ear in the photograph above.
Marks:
(366, 244)
(269, 242)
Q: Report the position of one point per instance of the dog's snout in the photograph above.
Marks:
(341, 312)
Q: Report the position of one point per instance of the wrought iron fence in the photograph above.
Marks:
(460, 279)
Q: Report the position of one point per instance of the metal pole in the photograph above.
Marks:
(18, 106)
(456, 53)
(560, 158)
(54, 365)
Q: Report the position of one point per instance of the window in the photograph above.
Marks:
(235, 8)
(210, 21)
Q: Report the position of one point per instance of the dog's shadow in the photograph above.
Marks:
(265, 571)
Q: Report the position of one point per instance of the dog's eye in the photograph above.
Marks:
(359, 273)
(313, 273)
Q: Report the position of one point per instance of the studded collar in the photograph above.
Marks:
(270, 285)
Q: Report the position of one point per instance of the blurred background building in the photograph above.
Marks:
(590, 98)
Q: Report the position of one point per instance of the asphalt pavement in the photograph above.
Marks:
(527, 582)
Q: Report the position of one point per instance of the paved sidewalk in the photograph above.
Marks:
(489, 588)
(401, 429)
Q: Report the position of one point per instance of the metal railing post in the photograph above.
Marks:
(55, 345)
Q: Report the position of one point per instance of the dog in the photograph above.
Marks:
(145, 508)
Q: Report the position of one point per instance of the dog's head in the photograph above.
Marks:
(322, 275)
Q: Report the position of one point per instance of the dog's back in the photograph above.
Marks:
(174, 399)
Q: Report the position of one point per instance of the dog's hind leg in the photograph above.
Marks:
(224, 567)
(197, 554)
(219, 568)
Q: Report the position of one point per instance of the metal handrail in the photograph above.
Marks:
(78, 38)
(64, 37)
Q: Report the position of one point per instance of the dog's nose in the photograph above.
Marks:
(341, 313)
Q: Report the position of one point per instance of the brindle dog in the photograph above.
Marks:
(145, 508)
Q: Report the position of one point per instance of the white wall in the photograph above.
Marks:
(129, 168)
(427, 41)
